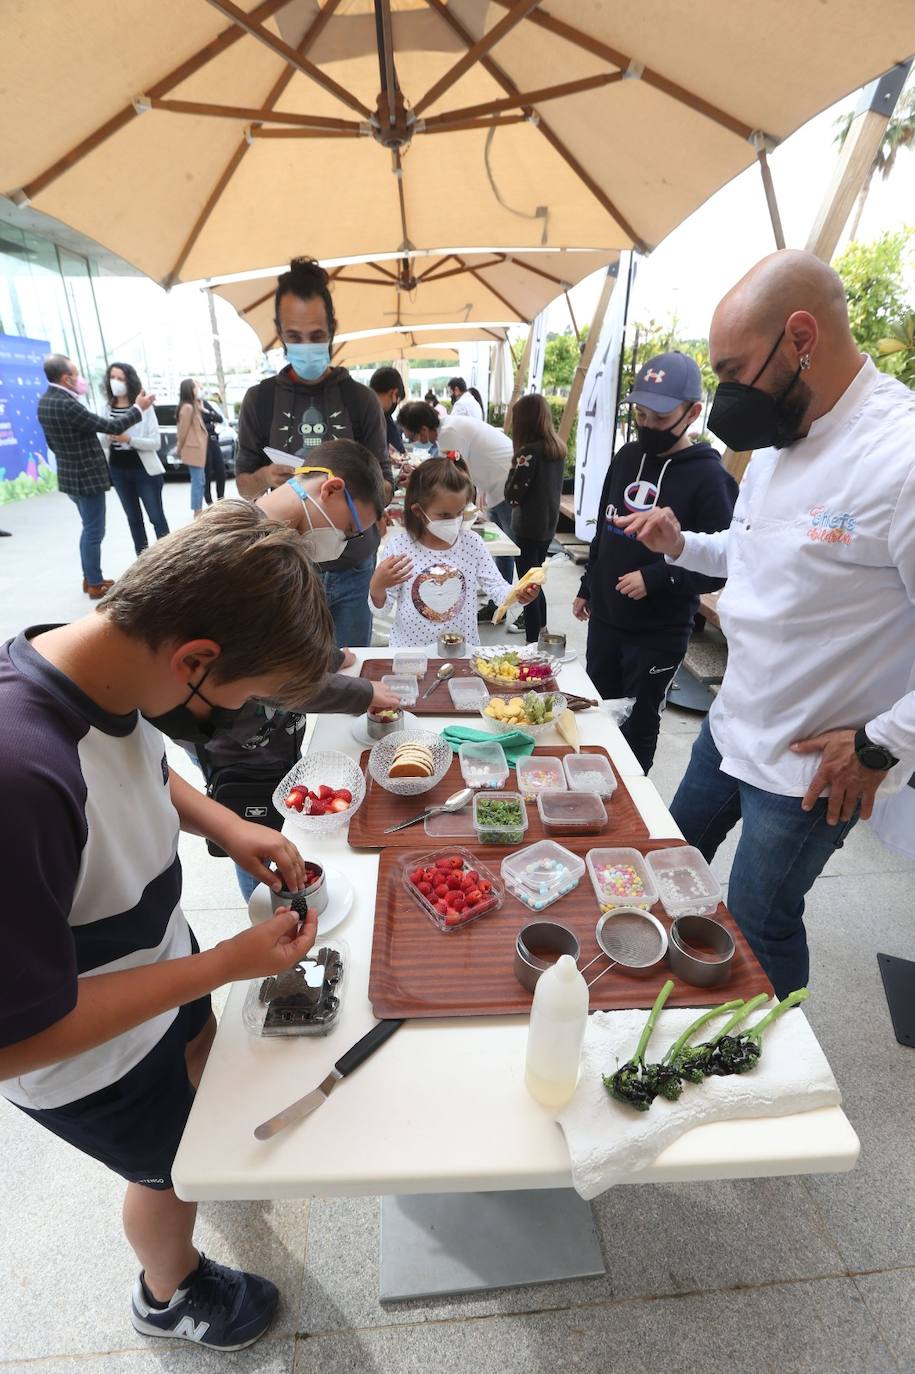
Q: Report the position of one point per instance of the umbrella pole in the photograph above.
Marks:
(584, 362)
(520, 379)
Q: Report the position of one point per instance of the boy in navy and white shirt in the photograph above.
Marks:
(105, 1016)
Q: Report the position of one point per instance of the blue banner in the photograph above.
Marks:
(22, 443)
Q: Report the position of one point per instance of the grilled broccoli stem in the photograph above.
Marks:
(633, 1083)
(740, 1053)
(692, 1061)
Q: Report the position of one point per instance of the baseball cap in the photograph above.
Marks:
(665, 382)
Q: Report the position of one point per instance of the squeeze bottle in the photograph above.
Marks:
(559, 1016)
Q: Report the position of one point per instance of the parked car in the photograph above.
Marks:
(228, 441)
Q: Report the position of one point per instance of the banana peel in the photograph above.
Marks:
(532, 575)
(567, 726)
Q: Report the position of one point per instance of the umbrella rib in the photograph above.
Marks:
(167, 83)
(517, 11)
(291, 55)
(474, 272)
(457, 125)
(496, 72)
(595, 48)
(524, 98)
(434, 266)
(276, 91)
(251, 115)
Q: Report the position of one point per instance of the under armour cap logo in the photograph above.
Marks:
(652, 376)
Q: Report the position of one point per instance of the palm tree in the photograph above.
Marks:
(899, 133)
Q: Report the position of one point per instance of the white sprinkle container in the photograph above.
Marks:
(483, 764)
(403, 685)
(467, 693)
(410, 665)
(542, 873)
(589, 773)
(686, 884)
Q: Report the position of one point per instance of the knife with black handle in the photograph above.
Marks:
(354, 1056)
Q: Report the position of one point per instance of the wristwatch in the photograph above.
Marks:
(872, 755)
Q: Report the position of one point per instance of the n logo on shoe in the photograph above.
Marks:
(191, 1330)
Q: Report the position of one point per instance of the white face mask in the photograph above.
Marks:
(118, 389)
(323, 543)
(446, 530)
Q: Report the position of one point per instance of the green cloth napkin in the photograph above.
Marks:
(516, 743)
(490, 534)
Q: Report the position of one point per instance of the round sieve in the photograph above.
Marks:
(630, 938)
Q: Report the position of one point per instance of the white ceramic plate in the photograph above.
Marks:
(340, 895)
(360, 727)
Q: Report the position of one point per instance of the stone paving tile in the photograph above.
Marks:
(890, 1300)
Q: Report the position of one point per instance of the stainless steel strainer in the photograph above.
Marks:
(630, 938)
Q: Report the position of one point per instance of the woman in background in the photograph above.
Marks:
(137, 475)
(191, 446)
(534, 488)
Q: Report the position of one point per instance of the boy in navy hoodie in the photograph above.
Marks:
(639, 608)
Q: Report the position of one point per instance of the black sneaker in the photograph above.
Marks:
(517, 627)
(486, 612)
(225, 1309)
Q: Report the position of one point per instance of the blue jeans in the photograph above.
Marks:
(347, 595)
(92, 513)
(134, 485)
(501, 515)
(198, 481)
(781, 852)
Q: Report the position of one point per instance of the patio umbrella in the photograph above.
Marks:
(455, 286)
(383, 345)
(210, 139)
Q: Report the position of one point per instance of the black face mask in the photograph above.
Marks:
(657, 441)
(745, 417)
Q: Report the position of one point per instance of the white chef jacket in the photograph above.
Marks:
(487, 451)
(819, 607)
(468, 405)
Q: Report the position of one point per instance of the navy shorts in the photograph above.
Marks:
(134, 1126)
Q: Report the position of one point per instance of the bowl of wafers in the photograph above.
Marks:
(410, 762)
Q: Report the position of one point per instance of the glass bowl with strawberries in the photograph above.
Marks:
(321, 792)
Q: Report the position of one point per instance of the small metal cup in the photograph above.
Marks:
(377, 729)
(549, 643)
(685, 961)
(451, 644)
(546, 935)
(314, 896)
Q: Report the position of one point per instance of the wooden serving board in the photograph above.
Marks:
(380, 809)
(440, 703)
(419, 971)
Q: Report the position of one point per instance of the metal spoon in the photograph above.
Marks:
(444, 672)
(456, 802)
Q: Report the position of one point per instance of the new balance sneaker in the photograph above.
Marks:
(225, 1309)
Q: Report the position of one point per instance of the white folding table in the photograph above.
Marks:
(442, 1109)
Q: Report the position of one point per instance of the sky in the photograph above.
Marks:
(683, 278)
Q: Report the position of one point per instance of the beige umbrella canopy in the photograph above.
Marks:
(392, 345)
(457, 287)
(198, 138)
(398, 355)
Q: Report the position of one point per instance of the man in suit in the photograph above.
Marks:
(71, 432)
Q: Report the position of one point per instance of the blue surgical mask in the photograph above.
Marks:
(309, 360)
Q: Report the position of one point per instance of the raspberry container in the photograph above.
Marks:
(571, 813)
(621, 878)
(537, 773)
(686, 884)
(542, 873)
(589, 773)
(452, 862)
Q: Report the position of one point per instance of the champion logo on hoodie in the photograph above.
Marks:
(640, 495)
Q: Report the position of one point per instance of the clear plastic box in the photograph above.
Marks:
(491, 832)
(468, 693)
(483, 764)
(686, 884)
(410, 665)
(451, 825)
(620, 877)
(589, 773)
(403, 686)
(452, 919)
(542, 873)
(306, 1000)
(572, 813)
(538, 773)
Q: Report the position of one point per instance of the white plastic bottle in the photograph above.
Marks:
(559, 1016)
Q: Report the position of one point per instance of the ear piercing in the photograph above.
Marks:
(805, 362)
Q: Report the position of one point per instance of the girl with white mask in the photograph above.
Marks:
(429, 578)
